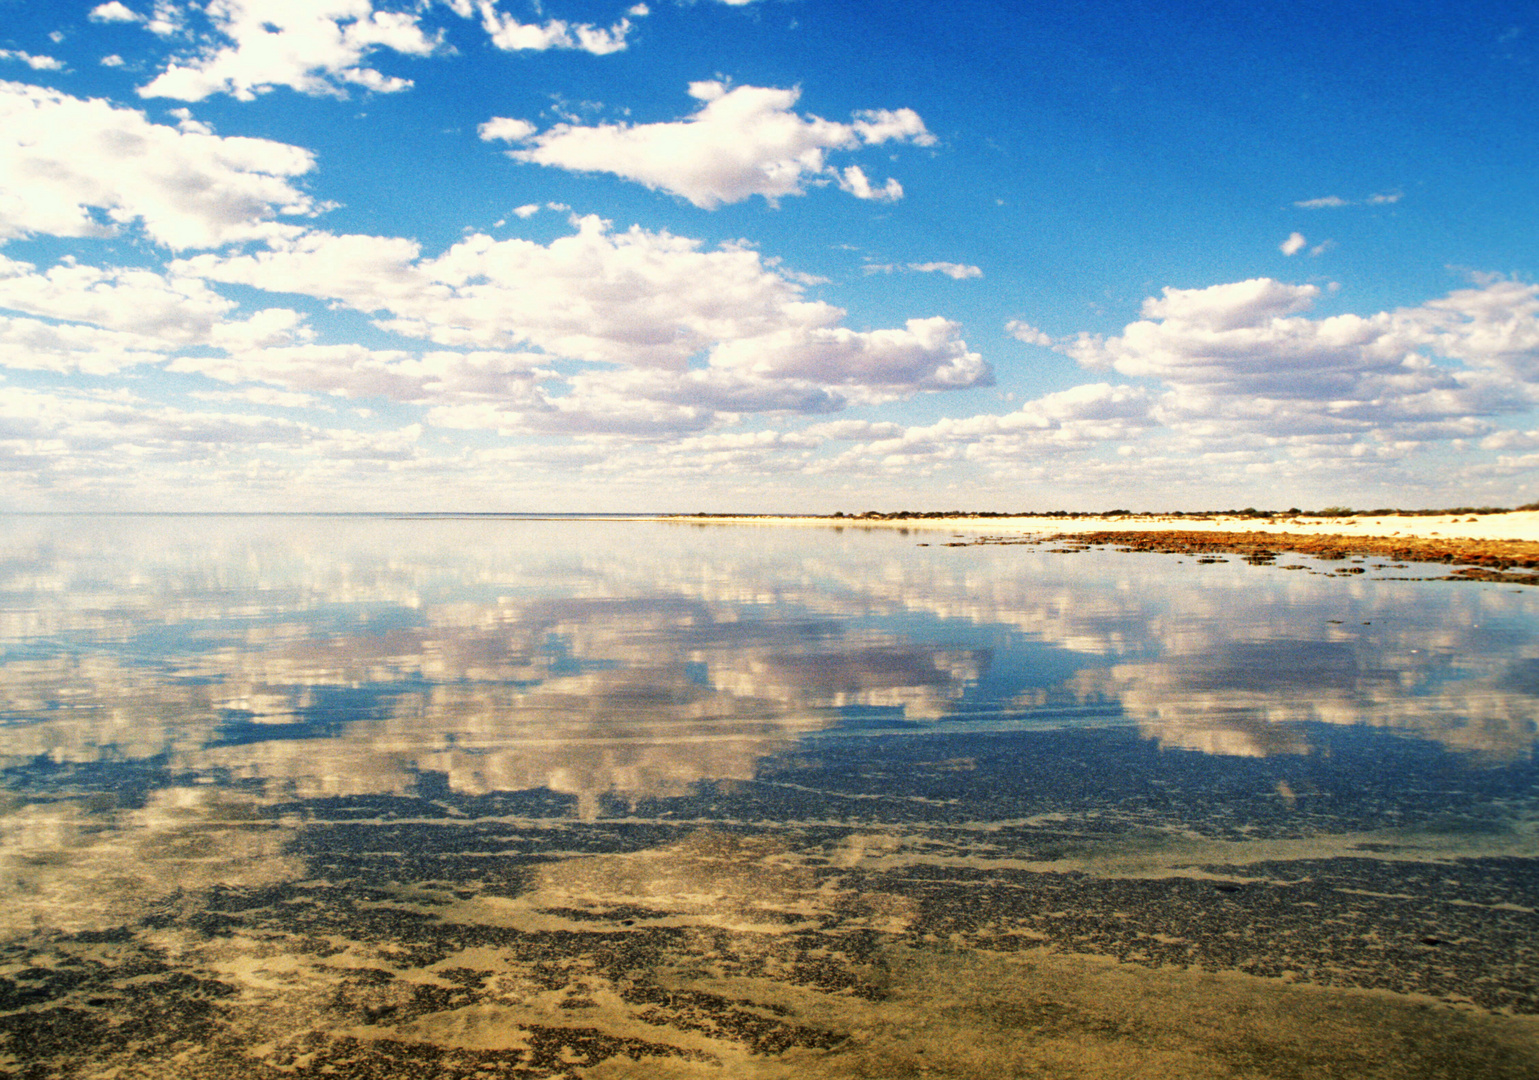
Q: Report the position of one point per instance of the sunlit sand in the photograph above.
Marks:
(1516, 525)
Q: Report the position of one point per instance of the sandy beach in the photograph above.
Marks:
(1496, 546)
(1517, 525)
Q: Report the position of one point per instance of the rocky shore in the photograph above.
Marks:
(1481, 546)
(1481, 560)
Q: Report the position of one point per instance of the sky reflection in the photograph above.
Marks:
(349, 656)
(556, 793)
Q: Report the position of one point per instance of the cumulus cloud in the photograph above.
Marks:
(106, 319)
(1078, 419)
(354, 371)
(634, 298)
(1024, 331)
(78, 167)
(173, 311)
(1243, 357)
(112, 445)
(36, 63)
(741, 142)
(311, 46)
(115, 11)
(36, 345)
(639, 298)
(509, 34)
(853, 180)
(129, 427)
(1232, 306)
(928, 353)
(690, 336)
(1293, 245)
(502, 128)
(1494, 326)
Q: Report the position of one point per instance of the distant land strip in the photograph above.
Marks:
(1515, 561)
(1485, 544)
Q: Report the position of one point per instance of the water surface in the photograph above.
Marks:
(311, 797)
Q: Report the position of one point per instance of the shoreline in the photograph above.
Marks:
(1485, 547)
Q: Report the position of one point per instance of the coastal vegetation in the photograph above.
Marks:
(1248, 512)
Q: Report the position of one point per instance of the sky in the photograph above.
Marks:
(767, 255)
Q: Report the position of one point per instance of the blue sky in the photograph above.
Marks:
(778, 255)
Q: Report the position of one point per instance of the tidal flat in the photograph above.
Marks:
(320, 797)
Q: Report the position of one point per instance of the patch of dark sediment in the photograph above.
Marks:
(1515, 561)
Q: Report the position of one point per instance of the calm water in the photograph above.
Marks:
(367, 798)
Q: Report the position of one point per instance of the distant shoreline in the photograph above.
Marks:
(1491, 546)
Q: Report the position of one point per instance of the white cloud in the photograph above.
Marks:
(955, 271)
(1079, 419)
(36, 63)
(1333, 202)
(107, 319)
(853, 180)
(186, 122)
(173, 311)
(1024, 331)
(528, 210)
(927, 353)
(509, 34)
(167, 20)
(741, 142)
(112, 60)
(505, 129)
(1494, 326)
(1241, 358)
(35, 345)
(312, 46)
(472, 379)
(850, 430)
(646, 304)
(263, 396)
(637, 298)
(1225, 307)
(61, 158)
(1294, 244)
(54, 436)
(115, 11)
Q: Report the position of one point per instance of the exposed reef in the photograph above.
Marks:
(1514, 561)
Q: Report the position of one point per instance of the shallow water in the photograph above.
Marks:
(313, 797)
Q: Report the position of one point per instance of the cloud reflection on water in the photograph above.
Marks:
(326, 772)
(344, 658)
